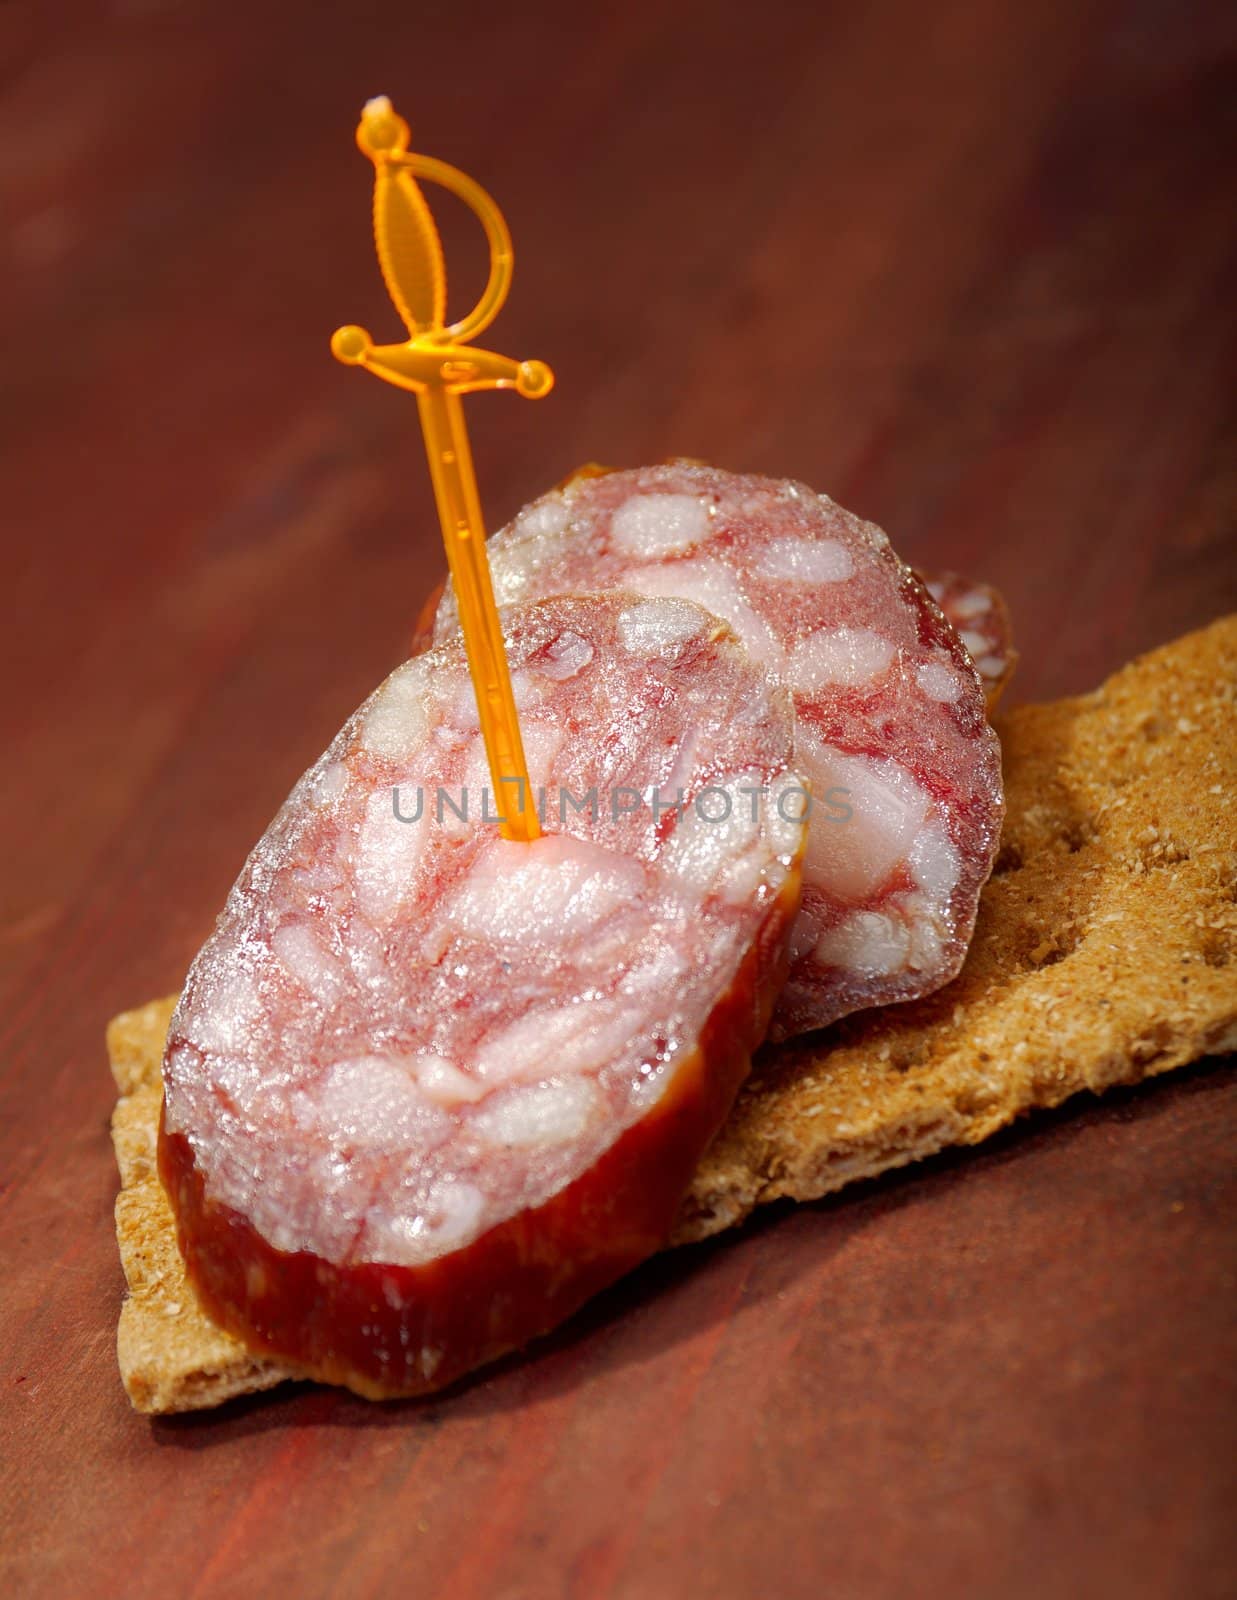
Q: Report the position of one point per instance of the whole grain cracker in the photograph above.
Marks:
(172, 1356)
(1105, 952)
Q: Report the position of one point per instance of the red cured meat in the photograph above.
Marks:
(979, 616)
(975, 611)
(890, 715)
(426, 1089)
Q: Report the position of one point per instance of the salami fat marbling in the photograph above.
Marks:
(890, 712)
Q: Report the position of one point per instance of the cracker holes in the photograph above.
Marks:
(1008, 859)
(1078, 833)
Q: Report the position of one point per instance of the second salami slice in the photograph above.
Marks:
(979, 616)
(891, 725)
(427, 1089)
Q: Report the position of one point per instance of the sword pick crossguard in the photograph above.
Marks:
(410, 255)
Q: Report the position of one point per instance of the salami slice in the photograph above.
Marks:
(426, 1089)
(979, 616)
(891, 731)
(975, 611)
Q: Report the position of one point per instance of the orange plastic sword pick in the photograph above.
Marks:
(438, 364)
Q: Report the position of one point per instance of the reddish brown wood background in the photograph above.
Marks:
(969, 267)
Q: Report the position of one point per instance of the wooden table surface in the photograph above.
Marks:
(968, 267)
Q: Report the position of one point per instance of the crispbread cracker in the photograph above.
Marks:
(1105, 952)
(172, 1356)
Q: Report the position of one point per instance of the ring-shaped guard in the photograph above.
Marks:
(438, 364)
